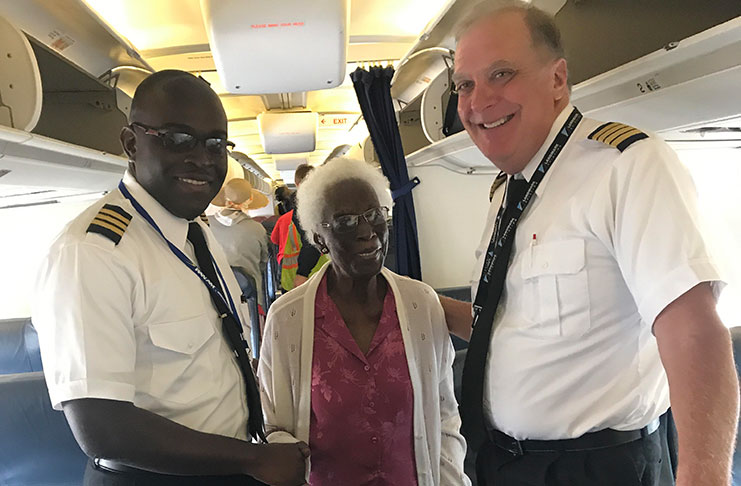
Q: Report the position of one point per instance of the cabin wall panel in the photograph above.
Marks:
(451, 210)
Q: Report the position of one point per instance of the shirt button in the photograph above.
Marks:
(372, 404)
(545, 265)
(190, 345)
(374, 439)
(366, 368)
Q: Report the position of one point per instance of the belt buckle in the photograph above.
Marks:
(514, 447)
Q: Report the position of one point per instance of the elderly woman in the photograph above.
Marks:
(357, 361)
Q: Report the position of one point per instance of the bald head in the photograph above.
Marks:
(169, 86)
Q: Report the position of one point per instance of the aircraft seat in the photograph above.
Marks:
(37, 445)
(249, 295)
(19, 347)
(736, 338)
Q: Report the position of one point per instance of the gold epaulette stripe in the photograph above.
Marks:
(617, 135)
(623, 136)
(111, 222)
(114, 215)
(109, 226)
(604, 129)
(608, 139)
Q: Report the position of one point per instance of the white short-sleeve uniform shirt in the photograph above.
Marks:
(131, 322)
(609, 240)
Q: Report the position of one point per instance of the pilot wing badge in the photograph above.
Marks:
(111, 222)
(617, 135)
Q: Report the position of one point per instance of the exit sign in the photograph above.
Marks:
(335, 121)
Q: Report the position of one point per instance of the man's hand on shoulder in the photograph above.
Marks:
(458, 316)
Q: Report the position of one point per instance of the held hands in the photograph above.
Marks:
(282, 464)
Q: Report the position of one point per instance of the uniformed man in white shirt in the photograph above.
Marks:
(594, 299)
(139, 316)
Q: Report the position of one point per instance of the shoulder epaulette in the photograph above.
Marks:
(111, 222)
(501, 177)
(617, 135)
(204, 218)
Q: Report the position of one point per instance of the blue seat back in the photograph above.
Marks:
(249, 293)
(37, 445)
(736, 338)
(19, 347)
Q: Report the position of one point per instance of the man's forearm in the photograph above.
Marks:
(698, 359)
(122, 432)
(704, 396)
(458, 316)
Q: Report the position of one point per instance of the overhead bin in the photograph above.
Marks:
(288, 133)
(35, 160)
(72, 29)
(59, 126)
(295, 45)
(76, 107)
(691, 82)
(20, 80)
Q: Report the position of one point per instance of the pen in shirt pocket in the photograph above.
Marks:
(533, 242)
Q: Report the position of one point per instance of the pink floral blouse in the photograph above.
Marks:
(361, 429)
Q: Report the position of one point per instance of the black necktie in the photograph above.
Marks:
(232, 332)
(474, 368)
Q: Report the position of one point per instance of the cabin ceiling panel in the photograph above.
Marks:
(143, 23)
(240, 107)
(170, 34)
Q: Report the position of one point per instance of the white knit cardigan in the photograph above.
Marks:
(286, 362)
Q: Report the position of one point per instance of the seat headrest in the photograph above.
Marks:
(19, 347)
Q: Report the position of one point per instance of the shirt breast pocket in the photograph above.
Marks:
(182, 365)
(555, 297)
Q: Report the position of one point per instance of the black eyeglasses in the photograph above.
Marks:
(349, 222)
(183, 142)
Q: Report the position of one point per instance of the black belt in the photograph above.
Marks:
(149, 478)
(593, 440)
(114, 466)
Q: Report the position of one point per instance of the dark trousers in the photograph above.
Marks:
(95, 476)
(643, 462)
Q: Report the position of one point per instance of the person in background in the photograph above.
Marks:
(138, 313)
(244, 240)
(596, 298)
(284, 196)
(358, 361)
(298, 258)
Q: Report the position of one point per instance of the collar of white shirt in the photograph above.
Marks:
(175, 229)
(531, 166)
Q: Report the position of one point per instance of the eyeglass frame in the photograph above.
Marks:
(160, 133)
(357, 217)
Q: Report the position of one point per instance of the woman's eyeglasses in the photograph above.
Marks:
(183, 142)
(349, 222)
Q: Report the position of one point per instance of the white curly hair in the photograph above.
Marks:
(311, 193)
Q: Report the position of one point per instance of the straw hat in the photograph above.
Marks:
(239, 194)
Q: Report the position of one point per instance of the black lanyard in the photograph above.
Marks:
(494, 250)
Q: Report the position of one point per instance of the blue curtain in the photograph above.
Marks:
(373, 89)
